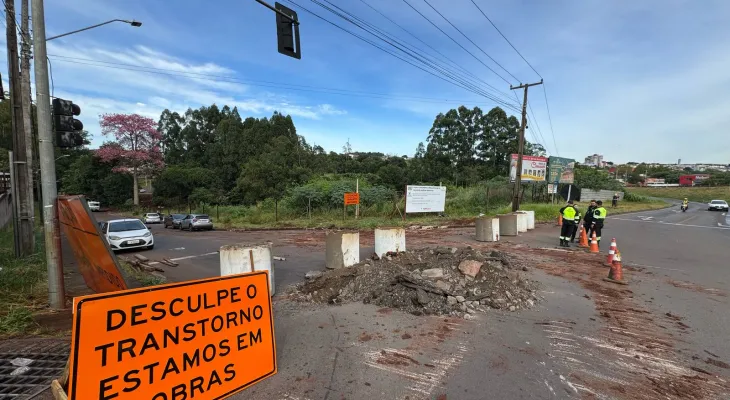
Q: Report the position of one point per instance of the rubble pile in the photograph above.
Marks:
(432, 281)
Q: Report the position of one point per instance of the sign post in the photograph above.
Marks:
(206, 339)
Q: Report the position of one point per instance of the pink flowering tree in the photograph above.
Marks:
(136, 145)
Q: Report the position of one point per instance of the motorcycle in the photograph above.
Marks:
(684, 207)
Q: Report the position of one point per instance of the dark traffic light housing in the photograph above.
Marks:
(68, 129)
(287, 31)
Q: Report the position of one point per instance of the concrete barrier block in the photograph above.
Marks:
(389, 239)
(521, 221)
(487, 229)
(508, 224)
(238, 259)
(530, 219)
(342, 249)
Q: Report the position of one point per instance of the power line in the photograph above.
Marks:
(544, 89)
(405, 43)
(215, 78)
(453, 40)
(419, 39)
(384, 36)
(393, 54)
(547, 105)
(505, 38)
(472, 42)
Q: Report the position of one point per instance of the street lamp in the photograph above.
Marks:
(134, 23)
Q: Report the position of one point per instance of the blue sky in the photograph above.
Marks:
(635, 81)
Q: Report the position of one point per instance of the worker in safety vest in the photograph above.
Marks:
(577, 224)
(599, 215)
(568, 212)
(588, 218)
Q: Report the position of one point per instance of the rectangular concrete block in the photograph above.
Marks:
(342, 249)
(521, 221)
(389, 239)
(508, 224)
(530, 219)
(238, 259)
(487, 229)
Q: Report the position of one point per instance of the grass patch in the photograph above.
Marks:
(143, 278)
(23, 286)
(698, 194)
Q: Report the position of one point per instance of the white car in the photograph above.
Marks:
(152, 218)
(127, 234)
(717, 205)
(94, 205)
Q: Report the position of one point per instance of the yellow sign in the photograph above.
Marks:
(204, 339)
(352, 199)
(97, 264)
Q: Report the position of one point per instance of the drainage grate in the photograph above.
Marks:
(27, 366)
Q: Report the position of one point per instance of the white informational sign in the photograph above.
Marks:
(552, 188)
(420, 199)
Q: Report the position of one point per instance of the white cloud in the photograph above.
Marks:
(115, 88)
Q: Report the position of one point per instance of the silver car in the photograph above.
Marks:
(152, 218)
(195, 222)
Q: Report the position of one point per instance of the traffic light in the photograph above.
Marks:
(66, 126)
(287, 31)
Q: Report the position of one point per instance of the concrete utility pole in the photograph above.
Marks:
(521, 148)
(23, 200)
(26, 96)
(56, 292)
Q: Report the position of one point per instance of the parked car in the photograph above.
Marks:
(194, 222)
(94, 205)
(717, 205)
(173, 220)
(127, 234)
(152, 218)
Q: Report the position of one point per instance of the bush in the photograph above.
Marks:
(633, 197)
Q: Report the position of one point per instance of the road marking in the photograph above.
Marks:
(646, 218)
(670, 223)
(685, 220)
(178, 248)
(185, 258)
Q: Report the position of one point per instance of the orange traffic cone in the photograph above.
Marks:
(583, 238)
(615, 274)
(560, 220)
(594, 244)
(611, 252)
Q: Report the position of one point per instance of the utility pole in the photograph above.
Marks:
(25, 102)
(521, 148)
(23, 186)
(51, 231)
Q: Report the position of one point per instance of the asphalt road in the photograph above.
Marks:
(677, 271)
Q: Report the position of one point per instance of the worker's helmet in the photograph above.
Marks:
(685, 198)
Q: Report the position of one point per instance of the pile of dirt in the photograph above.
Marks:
(438, 281)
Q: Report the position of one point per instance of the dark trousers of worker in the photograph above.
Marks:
(567, 230)
(575, 231)
(597, 227)
(589, 230)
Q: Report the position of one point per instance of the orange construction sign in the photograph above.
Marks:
(352, 199)
(203, 339)
(96, 262)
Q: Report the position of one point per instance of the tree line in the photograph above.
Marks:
(212, 155)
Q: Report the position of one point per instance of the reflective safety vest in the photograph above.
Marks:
(599, 214)
(577, 216)
(569, 213)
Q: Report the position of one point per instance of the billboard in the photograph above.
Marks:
(561, 170)
(425, 199)
(533, 168)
